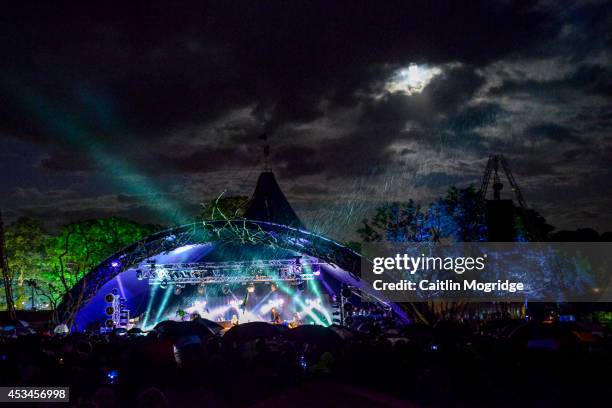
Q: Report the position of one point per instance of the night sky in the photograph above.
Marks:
(147, 111)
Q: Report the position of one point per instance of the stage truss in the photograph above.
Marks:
(247, 232)
(258, 271)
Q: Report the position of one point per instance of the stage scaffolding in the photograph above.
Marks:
(259, 271)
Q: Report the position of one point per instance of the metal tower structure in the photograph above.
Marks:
(266, 151)
(492, 171)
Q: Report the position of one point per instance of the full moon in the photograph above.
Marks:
(412, 79)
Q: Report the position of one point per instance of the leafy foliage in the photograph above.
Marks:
(459, 215)
(26, 248)
(465, 210)
(50, 264)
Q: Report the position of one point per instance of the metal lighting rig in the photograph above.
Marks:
(287, 270)
(116, 310)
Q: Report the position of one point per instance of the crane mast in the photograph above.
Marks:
(492, 171)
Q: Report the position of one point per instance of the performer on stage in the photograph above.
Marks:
(180, 313)
(234, 320)
(276, 317)
(297, 321)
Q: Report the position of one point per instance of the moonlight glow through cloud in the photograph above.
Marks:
(412, 79)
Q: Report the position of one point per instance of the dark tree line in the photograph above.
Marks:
(460, 216)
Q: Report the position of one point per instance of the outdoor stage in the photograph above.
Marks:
(220, 279)
(246, 269)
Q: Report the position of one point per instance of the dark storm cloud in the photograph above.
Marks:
(66, 160)
(145, 71)
(553, 132)
(309, 191)
(591, 79)
(382, 121)
(200, 161)
(178, 94)
(483, 114)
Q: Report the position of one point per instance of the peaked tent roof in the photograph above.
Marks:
(270, 204)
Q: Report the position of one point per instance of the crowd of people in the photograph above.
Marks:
(494, 364)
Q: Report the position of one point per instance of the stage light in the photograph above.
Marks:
(178, 290)
(139, 274)
(182, 249)
(201, 289)
(163, 284)
(317, 273)
(251, 288)
(112, 376)
(115, 264)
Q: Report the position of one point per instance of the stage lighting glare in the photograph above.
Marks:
(251, 288)
(316, 273)
(201, 289)
(115, 264)
(163, 284)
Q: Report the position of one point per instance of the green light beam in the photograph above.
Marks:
(64, 127)
(300, 303)
(152, 292)
(164, 303)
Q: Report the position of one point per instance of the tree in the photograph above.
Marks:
(458, 215)
(26, 244)
(396, 222)
(531, 226)
(464, 208)
(81, 246)
(50, 265)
